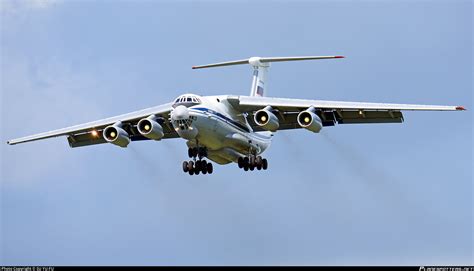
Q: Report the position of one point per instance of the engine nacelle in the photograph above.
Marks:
(310, 121)
(266, 119)
(116, 135)
(151, 129)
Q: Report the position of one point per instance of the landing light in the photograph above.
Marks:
(113, 134)
(94, 133)
(263, 118)
(306, 119)
(147, 127)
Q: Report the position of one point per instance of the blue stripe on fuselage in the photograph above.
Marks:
(238, 125)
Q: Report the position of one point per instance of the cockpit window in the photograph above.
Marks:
(187, 100)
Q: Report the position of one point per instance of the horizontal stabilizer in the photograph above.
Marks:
(261, 61)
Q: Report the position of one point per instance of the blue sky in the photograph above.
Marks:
(352, 195)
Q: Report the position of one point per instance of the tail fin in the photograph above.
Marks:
(260, 66)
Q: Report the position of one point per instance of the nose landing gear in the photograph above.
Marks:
(197, 165)
(199, 152)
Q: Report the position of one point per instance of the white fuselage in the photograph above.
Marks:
(214, 124)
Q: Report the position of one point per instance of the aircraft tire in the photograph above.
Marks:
(246, 162)
(185, 166)
(204, 167)
(190, 166)
(202, 152)
(264, 164)
(197, 165)
(252, 161)
(258, 161)
(209, 168)
(240, 162)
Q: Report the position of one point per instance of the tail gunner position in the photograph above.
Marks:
(230, 128)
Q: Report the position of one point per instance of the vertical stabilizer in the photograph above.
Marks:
(260, 70)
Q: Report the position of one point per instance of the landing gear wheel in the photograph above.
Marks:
(197, 166)
(209, 168)
(264, 164)
(246, 167)
(202, 152)
(246, 162)
(204, 167)
(252, 161)
(240, 162)
(190, 167)
(258, 162)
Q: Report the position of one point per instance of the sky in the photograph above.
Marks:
(388, 194)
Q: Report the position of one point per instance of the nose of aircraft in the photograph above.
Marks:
(180, 113)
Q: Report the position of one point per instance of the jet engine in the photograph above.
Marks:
(149, 128)
(309, 120)
(116, 135)
(266, 119)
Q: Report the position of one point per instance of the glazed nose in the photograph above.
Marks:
(180, 113)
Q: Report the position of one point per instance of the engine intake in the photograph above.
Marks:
(309, 120)
(266, 119)
(151, 129)
(116, 135)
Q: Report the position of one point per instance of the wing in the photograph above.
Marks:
(91, 133)
(330, 112)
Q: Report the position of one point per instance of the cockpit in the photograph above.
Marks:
(187, 100)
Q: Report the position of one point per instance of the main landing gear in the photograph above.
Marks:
(252, 162)
(197, 165)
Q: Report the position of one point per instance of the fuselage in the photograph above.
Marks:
(212, 122)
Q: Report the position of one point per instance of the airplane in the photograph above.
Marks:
(230, 128)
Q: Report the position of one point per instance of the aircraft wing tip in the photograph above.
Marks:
(339, 57)
(460, 108)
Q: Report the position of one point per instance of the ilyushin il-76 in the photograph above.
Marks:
(230, 128)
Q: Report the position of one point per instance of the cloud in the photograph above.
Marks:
(53, 95)
(14, 7)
